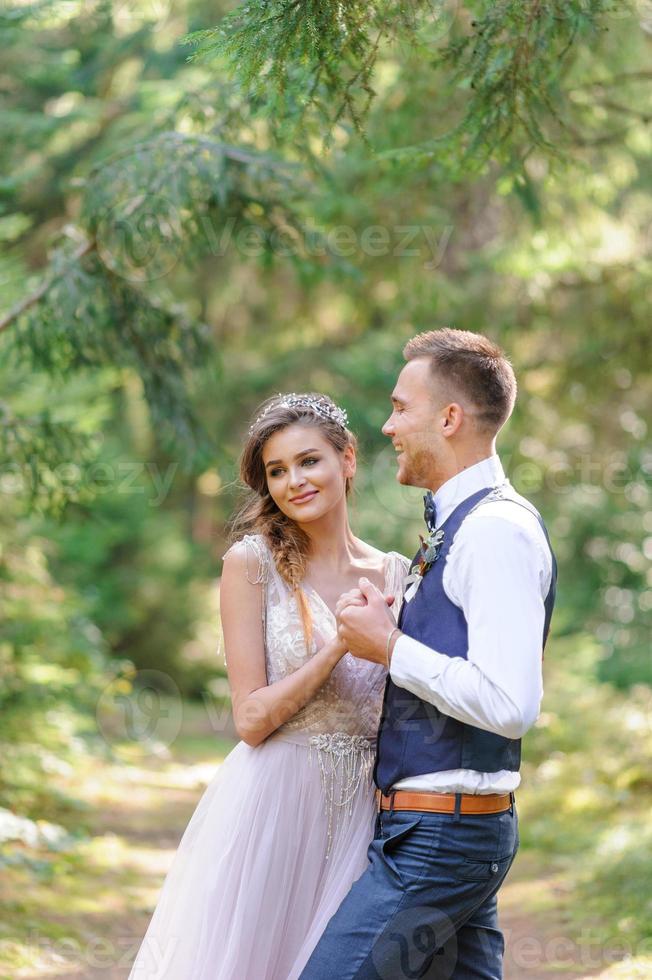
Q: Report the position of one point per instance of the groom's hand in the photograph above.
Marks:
(364, 622)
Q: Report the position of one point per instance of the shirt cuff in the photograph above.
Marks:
(414, 665)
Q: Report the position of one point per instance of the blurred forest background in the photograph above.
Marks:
(278, 202)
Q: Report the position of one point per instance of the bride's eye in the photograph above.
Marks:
(310, 459)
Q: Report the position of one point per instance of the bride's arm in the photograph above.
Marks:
(260, 708)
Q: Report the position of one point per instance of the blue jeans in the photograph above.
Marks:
(425, 907)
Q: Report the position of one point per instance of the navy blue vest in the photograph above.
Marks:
(414, 736)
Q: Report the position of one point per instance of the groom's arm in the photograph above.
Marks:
(498, 574)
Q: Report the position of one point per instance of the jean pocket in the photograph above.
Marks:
(470, 869)
(405, 852)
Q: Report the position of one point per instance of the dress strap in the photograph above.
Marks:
(256, 555)
(396, 571)
(258, 561)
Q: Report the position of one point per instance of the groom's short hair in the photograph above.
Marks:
(471, 364)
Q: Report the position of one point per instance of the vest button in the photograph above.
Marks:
(494, 868)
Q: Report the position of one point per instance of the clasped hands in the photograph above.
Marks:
(365, 621)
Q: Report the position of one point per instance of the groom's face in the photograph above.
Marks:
(413, 425)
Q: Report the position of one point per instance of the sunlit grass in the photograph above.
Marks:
(85, 908)
(639, 968)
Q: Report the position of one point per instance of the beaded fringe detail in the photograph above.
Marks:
(351, 758)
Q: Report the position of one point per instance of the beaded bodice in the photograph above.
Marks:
(351, 700)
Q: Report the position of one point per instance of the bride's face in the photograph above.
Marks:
(305, 474)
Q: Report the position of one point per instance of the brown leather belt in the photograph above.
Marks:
(444, 802)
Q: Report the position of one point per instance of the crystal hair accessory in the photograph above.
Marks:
(320, 407)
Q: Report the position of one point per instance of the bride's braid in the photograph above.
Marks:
(290, 546)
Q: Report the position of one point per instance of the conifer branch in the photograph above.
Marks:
(145, 211)
(25, 304)
(506, 55)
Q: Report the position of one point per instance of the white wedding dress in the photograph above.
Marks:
(281, 833)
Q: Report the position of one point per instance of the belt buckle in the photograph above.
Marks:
(379, 797)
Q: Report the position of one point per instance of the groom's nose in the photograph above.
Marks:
(388, 428)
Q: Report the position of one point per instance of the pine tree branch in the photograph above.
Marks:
(160, 179)
(144, 210)
(183, 140)
(25, 304)
(507, 56)
(617, 79)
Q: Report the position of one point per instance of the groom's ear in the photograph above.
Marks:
(451, 419)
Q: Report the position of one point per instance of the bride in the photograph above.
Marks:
(281, 833)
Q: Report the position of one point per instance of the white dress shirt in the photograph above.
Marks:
(498, 573)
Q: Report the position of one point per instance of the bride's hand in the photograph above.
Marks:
(352, 598)
(355, 598)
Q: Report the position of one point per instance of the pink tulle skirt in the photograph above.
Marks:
(261, 867)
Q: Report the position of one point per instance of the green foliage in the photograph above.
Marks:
(513, 63)
(32, 450)
(141, 576)
(503, 61)
(587, 794)
(145, 211)
(52, 662)
(328, 50)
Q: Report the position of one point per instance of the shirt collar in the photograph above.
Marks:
(487, 473)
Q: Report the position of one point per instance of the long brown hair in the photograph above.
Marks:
(290, 546)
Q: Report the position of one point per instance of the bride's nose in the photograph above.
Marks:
(297, 478)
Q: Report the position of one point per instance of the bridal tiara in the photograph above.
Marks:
(319, 406)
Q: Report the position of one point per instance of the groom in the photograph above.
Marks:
(464, 685)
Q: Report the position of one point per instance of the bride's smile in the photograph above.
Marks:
(305, 473)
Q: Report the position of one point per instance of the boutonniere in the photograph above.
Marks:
(428, 555)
